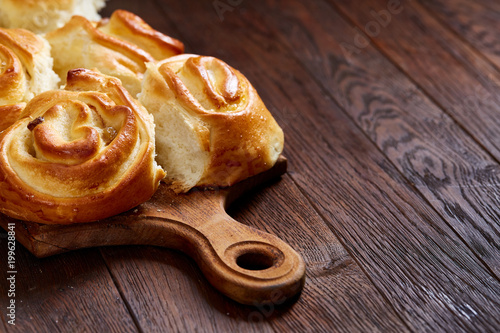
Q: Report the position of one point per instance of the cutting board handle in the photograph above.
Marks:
(248, 265)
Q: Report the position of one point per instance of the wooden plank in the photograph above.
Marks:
(451, 72)
(404, 247)
(334, 282)
(447, 166)
(475, 21)
(196, 223)
(331, 298)
(65, 293)
(168, 293)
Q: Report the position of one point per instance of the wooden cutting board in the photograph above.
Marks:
(246, 264)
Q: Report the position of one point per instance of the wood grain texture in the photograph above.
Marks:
(244, 263)
(451, 72)
(452, 171)
(477, 22)
(334, 304)
(367, 202)
(390, 195)
(334, 283)
(68, 293)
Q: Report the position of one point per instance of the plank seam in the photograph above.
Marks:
(432, 100)
(473, 48)
(425, 92)
(122, 294)
(315, 208)
(339, 238)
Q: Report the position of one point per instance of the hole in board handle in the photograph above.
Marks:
(254, 256)
(255, 261)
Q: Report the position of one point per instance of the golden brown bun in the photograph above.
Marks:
(130, 27)
(86, 44)
(25, 71)
(80, 154)
(41, 16)
(212, 129)
(9, 114)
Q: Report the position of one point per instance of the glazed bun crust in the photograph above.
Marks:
(213, 129)
(78, 155)
(41, 16)
(118, 47)
(9, 114)
(130, 27)
(25, 71)
(79, 44)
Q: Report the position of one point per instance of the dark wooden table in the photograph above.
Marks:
(392, 118)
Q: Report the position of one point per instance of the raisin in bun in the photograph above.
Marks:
(212, 128)
(25, 71)
(119, 46)
(78, 155)
(41, 16)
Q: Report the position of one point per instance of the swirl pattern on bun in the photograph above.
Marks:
(212, 128)
(120, 47)
(25, 71)
(78, 155)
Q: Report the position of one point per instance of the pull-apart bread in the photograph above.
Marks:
(79, 154)
(212, 128)
(119, 46)
(91, 150)
(25, 71)
(41, 16)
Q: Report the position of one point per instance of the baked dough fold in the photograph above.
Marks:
(78, 155)
(25, 71)
(213, 130)
(119, 46)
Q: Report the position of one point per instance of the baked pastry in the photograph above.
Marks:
(130, 27)
(9, 114)
(25, 71)
(77, 155)
(212, 128)
(119, 47)
(41, 16)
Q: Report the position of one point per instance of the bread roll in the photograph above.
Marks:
(25, 71)
(130, 27)
(78, 155)
(212, 128)
(119, 47)
(41, 16)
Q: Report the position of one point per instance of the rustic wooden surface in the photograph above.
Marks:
(244, 263)
(391, 112)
